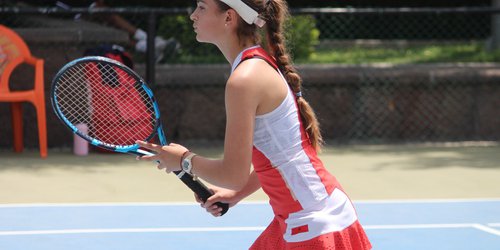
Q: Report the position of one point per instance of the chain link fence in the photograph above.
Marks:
(372, 75)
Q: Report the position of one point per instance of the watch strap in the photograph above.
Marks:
(187, 164)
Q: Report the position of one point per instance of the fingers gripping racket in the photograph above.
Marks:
(117, 108)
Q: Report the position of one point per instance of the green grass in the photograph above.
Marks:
(470, 52)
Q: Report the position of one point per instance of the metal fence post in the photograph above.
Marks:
(494, 42)
(150, 56)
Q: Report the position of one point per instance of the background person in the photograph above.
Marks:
(138, 37)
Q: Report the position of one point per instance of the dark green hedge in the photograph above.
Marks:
(302, 36)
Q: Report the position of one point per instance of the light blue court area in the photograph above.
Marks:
(390, 225)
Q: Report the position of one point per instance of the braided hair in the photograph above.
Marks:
(275, 13)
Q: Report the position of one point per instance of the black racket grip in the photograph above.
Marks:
(201, 190)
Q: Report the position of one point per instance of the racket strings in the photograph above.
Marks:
(110, 101)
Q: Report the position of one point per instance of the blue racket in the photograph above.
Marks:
(116, 108)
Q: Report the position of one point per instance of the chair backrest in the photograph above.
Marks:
(13, 51)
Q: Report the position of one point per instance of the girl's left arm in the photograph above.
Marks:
(233, 170)
(242, 97)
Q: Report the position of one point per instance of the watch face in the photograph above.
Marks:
(185, 165)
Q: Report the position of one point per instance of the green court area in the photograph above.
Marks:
(423, 171)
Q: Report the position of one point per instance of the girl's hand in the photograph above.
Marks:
(220, 195)
(168, 157)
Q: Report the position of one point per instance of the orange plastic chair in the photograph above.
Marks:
(14, 52)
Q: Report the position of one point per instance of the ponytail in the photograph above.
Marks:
(275, 13)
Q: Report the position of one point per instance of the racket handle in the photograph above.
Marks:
(196, 186)
(201, 190)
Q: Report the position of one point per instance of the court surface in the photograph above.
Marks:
(407, 197)
(431, 224)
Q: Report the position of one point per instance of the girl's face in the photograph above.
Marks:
(208, 21)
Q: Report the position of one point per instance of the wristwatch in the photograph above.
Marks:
(187, 165)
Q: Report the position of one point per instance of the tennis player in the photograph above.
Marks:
(269, 124)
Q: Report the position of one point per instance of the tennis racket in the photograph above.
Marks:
(109, 105)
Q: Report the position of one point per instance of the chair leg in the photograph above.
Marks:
(42, 128)
(16, 109)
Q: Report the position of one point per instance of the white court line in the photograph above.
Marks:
(105, 204)
(131, 230)
(233, 229)
(114, 204)
(417, 226)
(481, 227)
(487, 229)
(427, 201)
(97, 204)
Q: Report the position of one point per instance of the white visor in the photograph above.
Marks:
(246, 12)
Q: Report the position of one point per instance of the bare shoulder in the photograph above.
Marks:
(257, 80)
(252, 73)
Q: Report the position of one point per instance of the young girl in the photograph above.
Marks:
(271, 125)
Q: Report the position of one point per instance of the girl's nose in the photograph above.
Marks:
(193, 16)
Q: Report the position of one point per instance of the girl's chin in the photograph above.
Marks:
(201, 40)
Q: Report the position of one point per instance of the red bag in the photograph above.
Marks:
(117, 92)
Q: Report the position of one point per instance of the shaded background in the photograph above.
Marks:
(372, 100)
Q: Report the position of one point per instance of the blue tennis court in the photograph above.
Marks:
(413, 224)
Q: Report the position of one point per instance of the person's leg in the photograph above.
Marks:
(117, 20)
(138, 37)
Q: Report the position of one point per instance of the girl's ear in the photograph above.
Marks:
(231, 17)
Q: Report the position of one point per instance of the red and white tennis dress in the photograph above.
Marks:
(311, 210)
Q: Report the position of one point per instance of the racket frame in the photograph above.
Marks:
(134, 148)
(196, 186)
